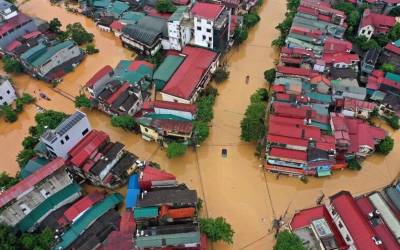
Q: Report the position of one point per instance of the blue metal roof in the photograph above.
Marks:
(131, 197)
(133, 182)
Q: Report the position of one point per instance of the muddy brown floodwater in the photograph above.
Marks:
(234, 187)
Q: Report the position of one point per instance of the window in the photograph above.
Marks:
(209, 39)
(208, 30)
(47, 145)
(363, 32)
(62, 142)
(340, 224)
(66, 137)
(198, 28)
(348, 238)
(369, 32)
(1, 98)
(146, 130)
(208, 22)
(8, 92)
(204, 37)
(84, 132)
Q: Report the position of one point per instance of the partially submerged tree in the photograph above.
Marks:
(388, 67)
(253, 124)
(81, 101)
(9, 114)
(91, 49)
(176, 149)
(394, 122)
(165, 6)
(221, 74)
(251, 19)
(55, 25)
(288, 241)
(240, 35)
(217, 229)
(353, 164)
(10, 65)
(24, 156)
(123, 121)
(78, 33)
(201, 131)
(7, 181)
(385, 146)
(269, 75)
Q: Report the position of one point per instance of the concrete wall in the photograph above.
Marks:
(7, 92)
(59, 58)
(203, 33)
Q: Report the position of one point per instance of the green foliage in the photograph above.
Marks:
(395, 11)
(91, 49)
(394, 33)
(165, 6)
(286, 24)
(29, 142)
(385, 146)
(251, 19)
(346, 7)
(394, 122)
(199, 204)
(27, 98)
(353, 18)
(240, 35)
(252, 125)
(201, 131)
(288, 241)
(292, 5)
(353, 164)
(382, 39)
(175, 149)
(221, 74)
(49, 119)
(205, 105)
(217, 229)
(78, 33)
(24, 156)
(9, 114)
(81, 101)
(7, 181)
(388, 67)
(10, 65)
(363, 43)
(55, 25)
(124, 121)
(19, 106)
(8, 241)
(278, 42)
(42, 240)
(269, 75)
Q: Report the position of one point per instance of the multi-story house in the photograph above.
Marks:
(179, 29)
(62, 139)
(373, 24)
(32, 199)
(211, 25)
(7, 92)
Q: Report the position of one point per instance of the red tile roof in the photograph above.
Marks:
(358, 104)
(278, 88)
(287, 140)
(333, 45)
(31, 35)
(100, 74)
(137, 63)
(288, 154)
(127, 224)
(320, 78)
(291, 60)
(296, 71)
(88, 147)
(381, 23)
(393, 48)
(30, 181)
(153, 12)
(124, 87)
(305, 217)
(186, 78)
(150, 174)
(297, 131)
(286, 109)
(13, 23)
(208, 11)
(116, 25)
(306, 31)
(285, 120)
(171, 106)
(357, 225)
(296, 52)
(79, 207)
(13, 45)
(118, 240)
(340, 58)
(183, 127)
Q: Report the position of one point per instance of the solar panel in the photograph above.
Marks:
(69, 123)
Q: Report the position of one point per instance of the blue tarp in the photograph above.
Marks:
(131, 197)
(133, 182)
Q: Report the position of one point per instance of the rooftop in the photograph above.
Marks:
(208, 11)
(13, 22)
(161, 197)
(99, 74)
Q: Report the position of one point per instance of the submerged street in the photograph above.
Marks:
(234, 187)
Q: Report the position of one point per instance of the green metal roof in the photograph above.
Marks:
(177, 15)
(169, 239)
(146, 212)
(132, 16)
(130, 77)
(101, 3)
(122, 66)
(167, 68)
(33, 53)
(144, 121)
(319, 97)
(165, 117)
(48, 205)
(393, 77)
(40, 148)
(145, 70)
(117, 8)
(325, 127)
(397, 43)
(32, 166)
(80, 225)
(50, 52)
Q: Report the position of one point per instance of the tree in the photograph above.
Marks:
(19, 105)
(217, 229)
(78, 33)
(388, 67)
(8, 240)
(353, 164)
(363, 43)
(24, 156)
(251, 19)
(81, 101)
(240, 35)
(201, 130)
(261, 95)
(353, 18)
(346, 7)
(252, 125)
(269, 75)
(176, 149)
(9, 114)
(394, 33)
(27, 98)
(10, 65)
(30, 142)
(382, 39)
(292, 5)
(165, 6)
(7, 181)
(42, 240)
(288, 241)
(278, 42)
(123, 121)
(55, 25)
(91, 49)
(221, 74)
(395, 11)
(385, 146)
(394, 122)
(205, 108)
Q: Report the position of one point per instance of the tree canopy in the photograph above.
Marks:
(78, 33)
(165, 6)
(221, 74)
(251, 19)
(7, 181)
(81, 101)
(240, 35)
(27, 241)
(252, 125)
(10, 65)
(176, 149)
(123, 121)
(288, 241)
(269, 75)
(217, 229)
(385, 146)
(201, 131)
(55, 25)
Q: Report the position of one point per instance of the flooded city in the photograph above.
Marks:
(235, 187)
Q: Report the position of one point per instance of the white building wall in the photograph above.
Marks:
(7, 92)
(171, 98)
(63, 144)
(366, 31)
(59, 58)
(183, 114)
(203, 32)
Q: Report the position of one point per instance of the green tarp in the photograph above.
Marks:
(146, 212)
(167, 240)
